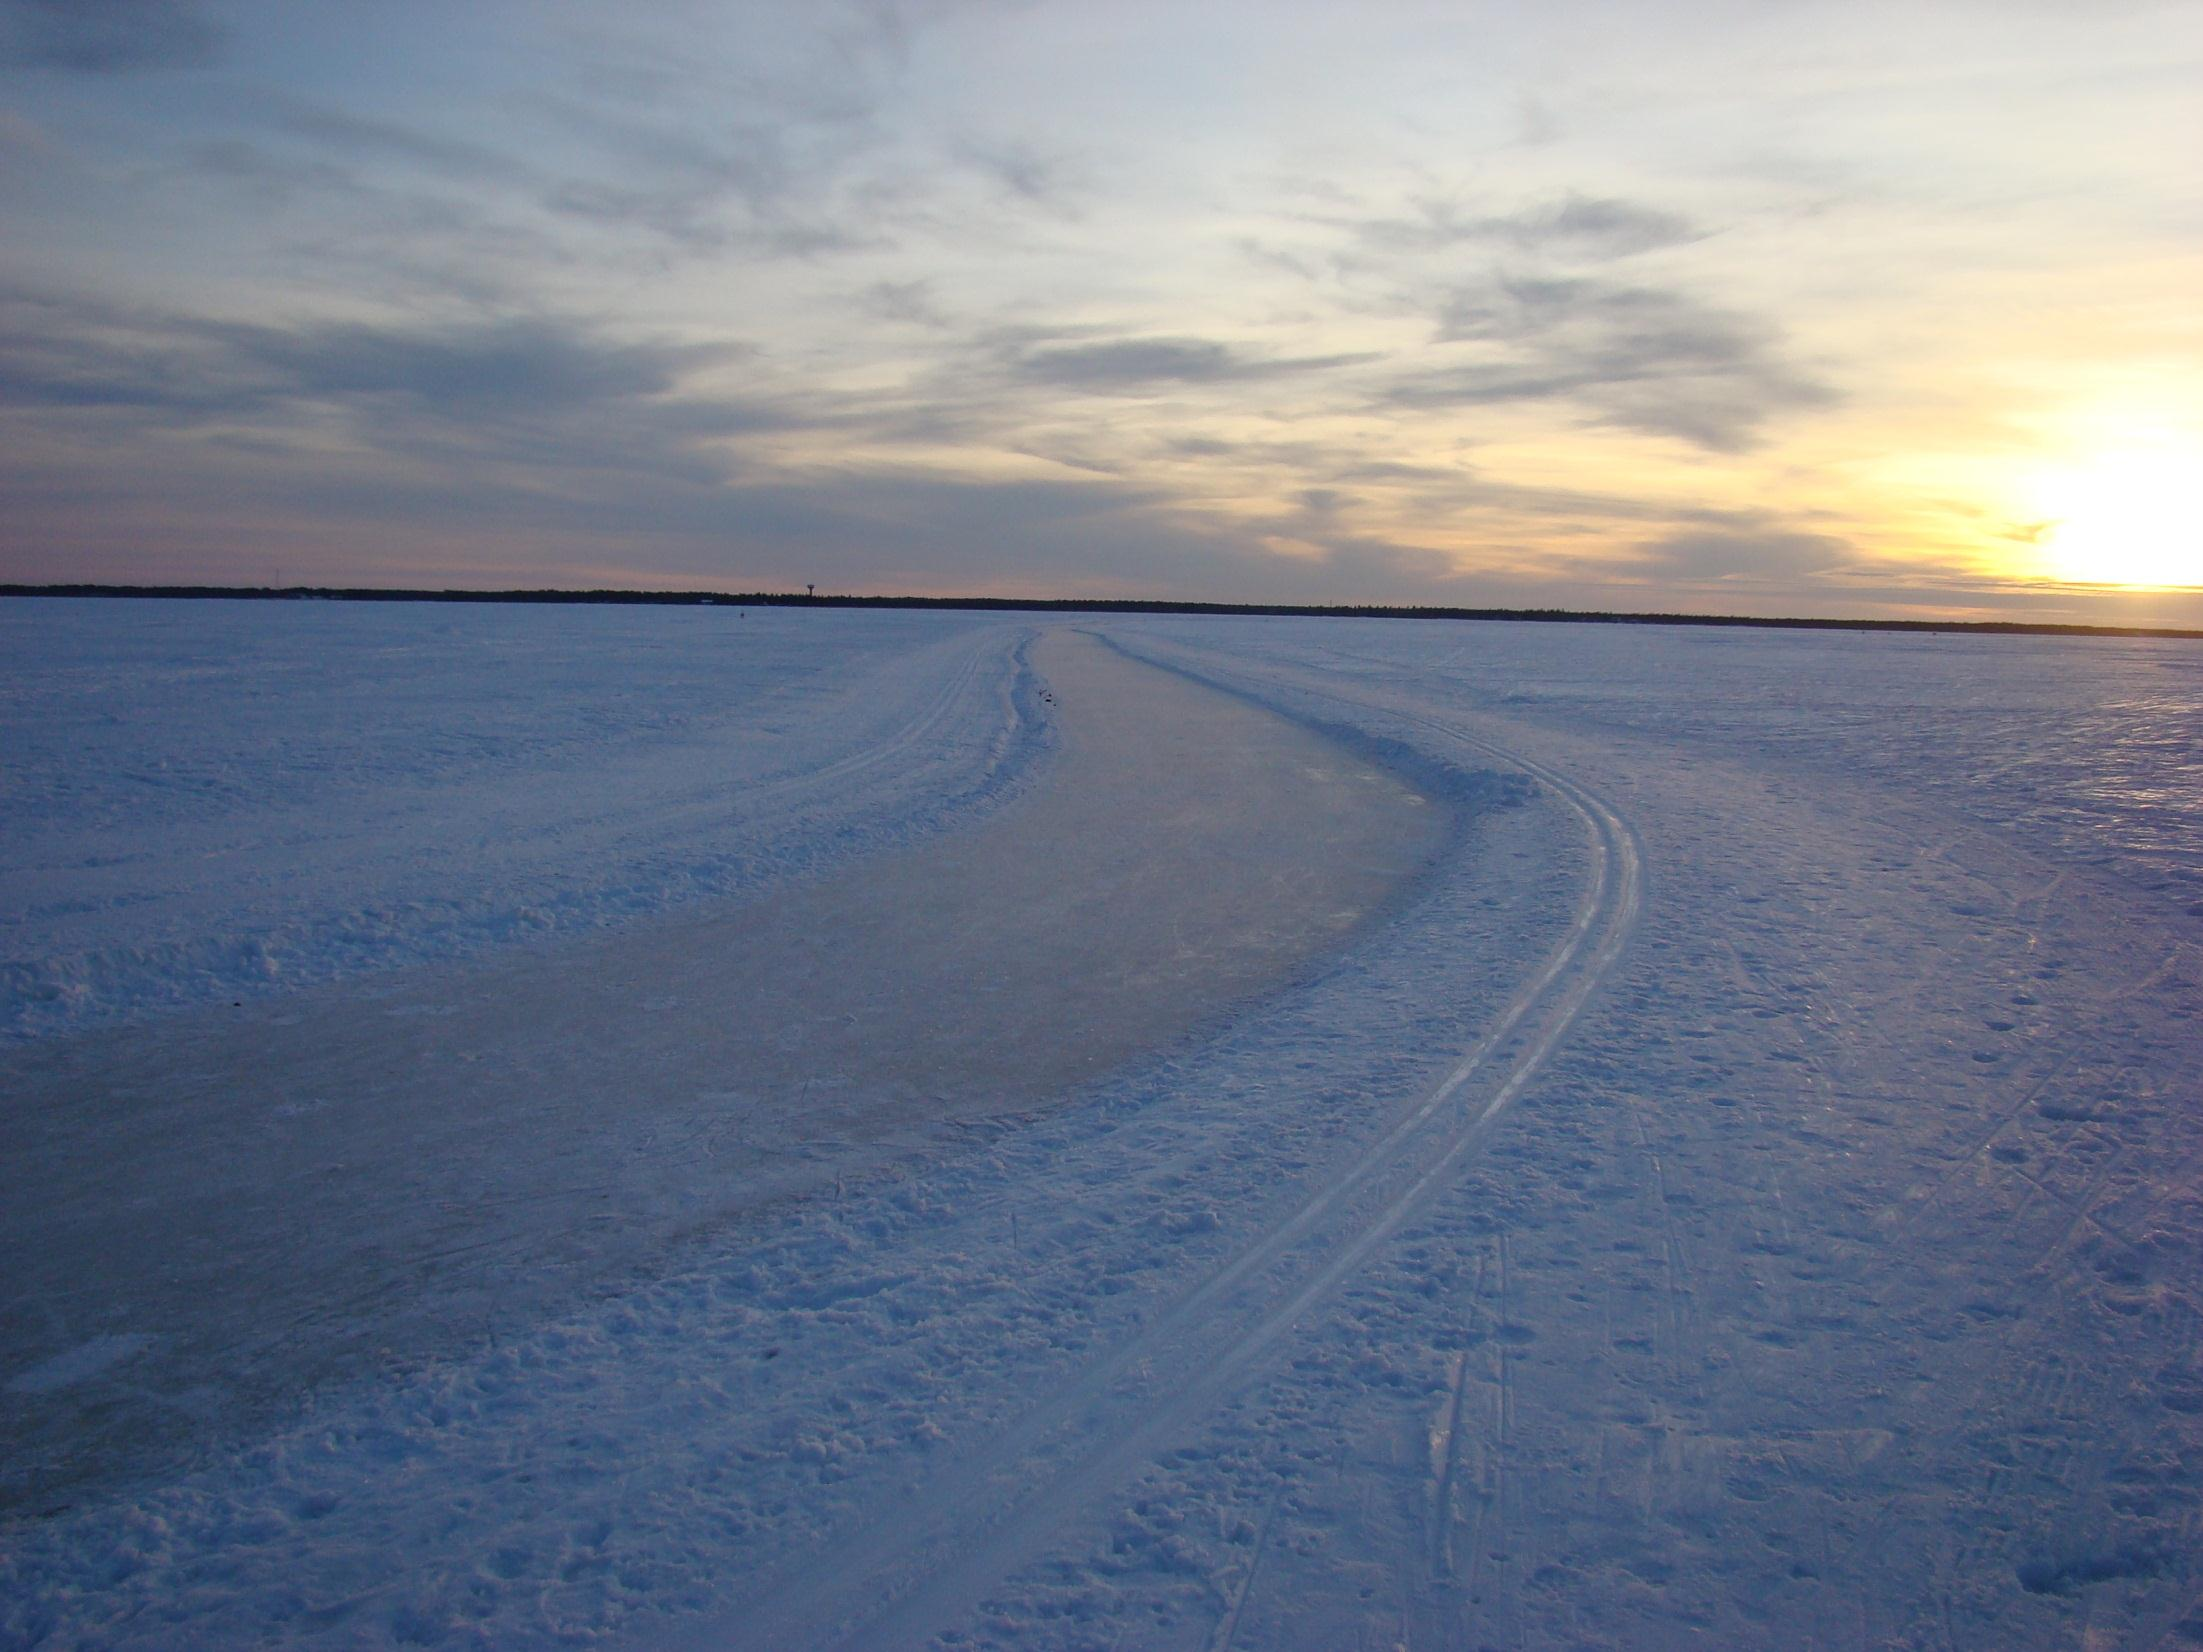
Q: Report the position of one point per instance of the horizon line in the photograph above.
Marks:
(610, 596)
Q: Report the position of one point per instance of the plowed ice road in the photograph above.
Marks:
(800, 1129)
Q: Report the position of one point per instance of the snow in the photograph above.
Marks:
(209, 801)
(1747, 1192)
(414, 1147)
(86, 1359)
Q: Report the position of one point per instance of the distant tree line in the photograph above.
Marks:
(808, 598)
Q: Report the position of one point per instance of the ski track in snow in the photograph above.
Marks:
(1749, 1197)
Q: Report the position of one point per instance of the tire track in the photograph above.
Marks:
(707, 810)
(1445, 1453)
(1227, 1627)
(914, 730)
(929, 1560)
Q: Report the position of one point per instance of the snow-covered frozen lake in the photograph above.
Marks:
(1534, 1135)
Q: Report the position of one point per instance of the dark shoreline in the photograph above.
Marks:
(1084, 605)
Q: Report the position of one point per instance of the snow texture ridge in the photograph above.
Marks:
(203, 806)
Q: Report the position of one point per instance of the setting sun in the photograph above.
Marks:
(2124, 518)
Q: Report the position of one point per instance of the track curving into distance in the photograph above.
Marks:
(928, 1560)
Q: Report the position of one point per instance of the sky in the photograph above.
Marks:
(1735, 306)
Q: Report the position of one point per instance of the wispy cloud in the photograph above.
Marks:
(741, 133)
(911, 302)
(1643, 358)
(1770, 553)
(108, 37)
(473, 371)
(756, 186)
(1576, 225)
(1024, 173)
(354, 137)
(552, 396)
(1135, 365)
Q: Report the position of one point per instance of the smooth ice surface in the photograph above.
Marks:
(1752, 1195)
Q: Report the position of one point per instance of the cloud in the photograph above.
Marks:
(107, 37)
(62, 352)
(359, 137)
(1136, 365)
(541, 398)
(909, 302)
(550, 439)
(759, 130)
(1539, 124)
(1594, 227)
(276, 181)
(525, 364)
(1051, 183)
(1641, 358)
(1133, 363)
(1601, 227)
(66, 354)
(883, 530)
(758, 188)
(1769, 553)
(549, 426)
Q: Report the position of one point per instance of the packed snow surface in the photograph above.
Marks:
(1749, 1194)
(214, 800)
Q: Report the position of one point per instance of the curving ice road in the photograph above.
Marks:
(256, 1202)
(925, 1563)
(1742, 1190)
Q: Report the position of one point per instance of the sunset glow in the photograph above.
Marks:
(1698, 305)
(2125, 518)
